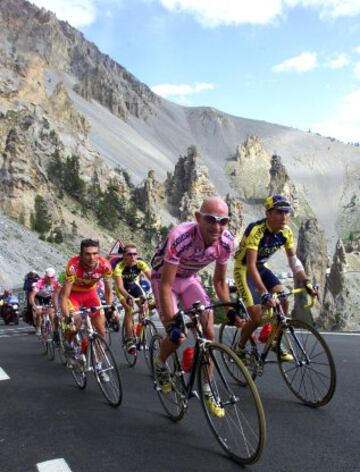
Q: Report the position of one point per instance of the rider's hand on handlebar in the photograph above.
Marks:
(234, 318)
(174, 330)
(130, 300)
(311, 290)
(267, 300)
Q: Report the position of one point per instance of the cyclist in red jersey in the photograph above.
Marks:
(83, 273)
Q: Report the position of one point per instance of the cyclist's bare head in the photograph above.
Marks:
(89, 253)
(212, 218)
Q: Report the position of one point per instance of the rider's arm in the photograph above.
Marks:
(119, 284)
(165, 290)
(220, 284)
(295, 265)
(299, 272)
(66, 290)
(55, 297)
(32, 297)
(251, 258)
(148, 274)
(108, 291)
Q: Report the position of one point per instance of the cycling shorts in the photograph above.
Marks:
(186, 290)
(42, 300)
(84, 299)
(246, 287)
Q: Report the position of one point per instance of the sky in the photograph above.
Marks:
(289, 62)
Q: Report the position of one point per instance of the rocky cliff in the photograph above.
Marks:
(86, 143)
(341, 297)
(311, 250)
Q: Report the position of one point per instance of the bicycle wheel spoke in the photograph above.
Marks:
(129, 356)
(230, 336)
(106, 371)
(235, 414)
(311, 376)
(149, 330)
(175, 400)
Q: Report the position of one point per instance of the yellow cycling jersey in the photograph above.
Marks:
(131, 273)
(259, 237)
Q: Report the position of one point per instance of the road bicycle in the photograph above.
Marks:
(143, 331)
(47, 332)
(91, 353)
(241, 427)
(310, 375)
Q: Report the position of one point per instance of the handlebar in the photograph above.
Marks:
(86, 311)
(296, 291)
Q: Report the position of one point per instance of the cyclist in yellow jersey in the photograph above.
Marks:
(254, 281)
(128, 288)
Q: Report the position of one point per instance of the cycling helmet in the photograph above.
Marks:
(50, 272)
(277, 202)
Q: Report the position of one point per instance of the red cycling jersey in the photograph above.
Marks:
(83, 279)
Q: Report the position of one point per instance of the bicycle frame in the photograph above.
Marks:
(278, 320)
(200, 345)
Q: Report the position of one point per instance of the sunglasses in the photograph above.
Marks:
(213, 219)
(131, 253)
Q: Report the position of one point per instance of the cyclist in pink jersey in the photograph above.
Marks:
(189, 248)
(43, 294)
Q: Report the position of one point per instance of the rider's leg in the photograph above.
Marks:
(249, 327)
(128, 320)
(167, 347)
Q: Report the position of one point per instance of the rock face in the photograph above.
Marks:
(311, 250)
(189, 185)
(60, 46)
(341, 299)
(249, 170)
(236, 209)
(59, 96)
(280, 182)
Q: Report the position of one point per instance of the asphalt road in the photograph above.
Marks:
(44, 416)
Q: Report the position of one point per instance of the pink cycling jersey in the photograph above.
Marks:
(186, 249)
(44, 289)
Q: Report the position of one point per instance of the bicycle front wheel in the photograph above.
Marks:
(230, 336)
(147, 332)
(106, 371)
(130, 355)
(174, 398)
(311, 374)
(235, 414)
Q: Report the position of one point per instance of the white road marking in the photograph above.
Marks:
(3, 375)
(55, 465)
(330, 333)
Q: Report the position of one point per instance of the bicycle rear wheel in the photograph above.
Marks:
(174, 402)
(238, 422)
(147, 332)
(60, 348)
(311, 375)
(129, 356)
(106, 371)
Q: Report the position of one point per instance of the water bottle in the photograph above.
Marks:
(187, 359)
(264, 333)
(84, 345)
(138, 329)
